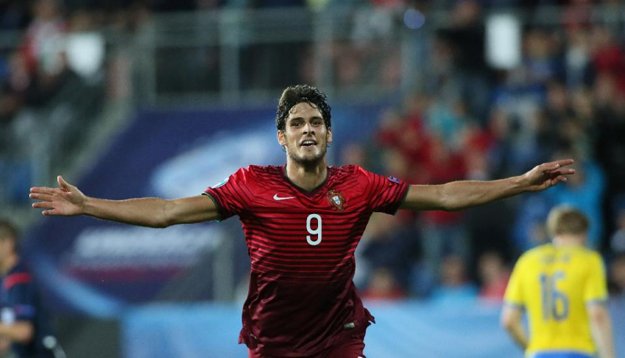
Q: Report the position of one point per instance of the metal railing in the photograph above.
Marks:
(236, 55)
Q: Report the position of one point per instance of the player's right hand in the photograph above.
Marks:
(65, 199)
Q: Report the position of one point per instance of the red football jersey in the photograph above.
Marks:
(301, 244)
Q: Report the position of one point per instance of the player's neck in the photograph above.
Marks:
(569, 240)
(306, 177)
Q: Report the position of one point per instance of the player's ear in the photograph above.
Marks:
(329, 136)
(281, 138)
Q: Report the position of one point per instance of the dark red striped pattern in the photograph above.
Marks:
(301, 245)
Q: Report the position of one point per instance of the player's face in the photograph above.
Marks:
(305, 136)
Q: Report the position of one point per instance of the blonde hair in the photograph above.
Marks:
(566, 220)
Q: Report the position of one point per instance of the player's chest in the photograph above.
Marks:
(288, 217)
(285, 199)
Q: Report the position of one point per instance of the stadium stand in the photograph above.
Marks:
(120, 94)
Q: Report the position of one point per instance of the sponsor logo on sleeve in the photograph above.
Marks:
(392, 179)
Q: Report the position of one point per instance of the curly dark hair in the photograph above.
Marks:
(293, 95)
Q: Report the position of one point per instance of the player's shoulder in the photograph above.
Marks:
(253, 174)
(541, 249)
(253, 168)
(545, 251)
(588, 254)
(349, 173)
(351, 170)
(347, 169)
(260, 170)
(537, 253)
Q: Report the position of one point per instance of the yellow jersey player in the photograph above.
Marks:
(562, 288)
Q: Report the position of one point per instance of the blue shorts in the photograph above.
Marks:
(561, 354)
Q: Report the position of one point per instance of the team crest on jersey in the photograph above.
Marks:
(336, 199)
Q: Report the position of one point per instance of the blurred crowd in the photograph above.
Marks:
(566, 99)
(462, 119)
(39, 62)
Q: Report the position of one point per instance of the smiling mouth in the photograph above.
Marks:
(308, 143)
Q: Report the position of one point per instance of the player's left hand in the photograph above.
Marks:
(546, 175)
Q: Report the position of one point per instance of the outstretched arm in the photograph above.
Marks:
(68, 200)
(466, 193)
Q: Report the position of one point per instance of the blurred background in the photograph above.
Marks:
(165, 98)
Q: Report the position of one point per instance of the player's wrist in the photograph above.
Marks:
(87, 206)
(519, 183)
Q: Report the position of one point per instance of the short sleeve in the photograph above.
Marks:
(385, 193)
(230, 194)
(596, 288)
(514, 291)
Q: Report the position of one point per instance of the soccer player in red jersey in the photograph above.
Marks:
(302, 222)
